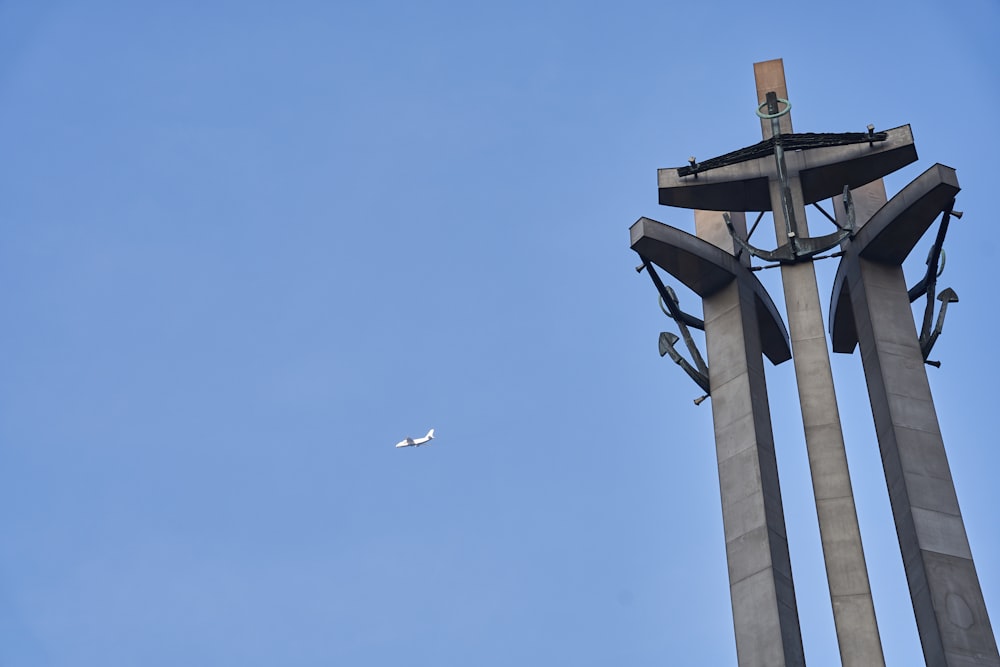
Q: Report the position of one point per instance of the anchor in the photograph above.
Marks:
(935, 267)
(670, 306)
(798, 249)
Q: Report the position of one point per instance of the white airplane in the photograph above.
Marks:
(416, 442)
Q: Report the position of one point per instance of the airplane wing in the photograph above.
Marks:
(408, 442)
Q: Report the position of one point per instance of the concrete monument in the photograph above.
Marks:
(783, 174)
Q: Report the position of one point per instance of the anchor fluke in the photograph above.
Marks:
(667, 341)
(946, 296)
(671, 308)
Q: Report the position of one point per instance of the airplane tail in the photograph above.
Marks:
(430, 434)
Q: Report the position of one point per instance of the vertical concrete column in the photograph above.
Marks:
(765, 615)
(948, 602)
(847, 573)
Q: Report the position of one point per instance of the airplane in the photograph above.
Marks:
(411, 442)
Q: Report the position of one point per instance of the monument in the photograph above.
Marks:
(870, 310)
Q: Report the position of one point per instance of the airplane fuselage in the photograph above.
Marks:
(416, 442)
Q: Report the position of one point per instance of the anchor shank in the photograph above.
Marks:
(670, 300)
(701, 379)
(699, 361)
(930, 281)
(779, 159)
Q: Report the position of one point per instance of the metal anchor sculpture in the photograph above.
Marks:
(671, 308)
(928, 284)
(782, 174)
(798, 248)
(871, 309)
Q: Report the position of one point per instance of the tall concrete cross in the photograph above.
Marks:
(769, 177)
(871, 310)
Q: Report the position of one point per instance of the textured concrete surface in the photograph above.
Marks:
(765, 615)
(847, 574)
(947, 598)
(739, 316)
(754, 185)
(744, 186)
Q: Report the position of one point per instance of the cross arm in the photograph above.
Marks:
(824, 171)
(889, 237)
(705, 269)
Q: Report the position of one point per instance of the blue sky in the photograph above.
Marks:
(246, 247)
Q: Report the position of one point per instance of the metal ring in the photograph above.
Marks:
(769, 116)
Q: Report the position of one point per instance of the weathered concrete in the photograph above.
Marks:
(765, 614)
(846, 571)
(871, 307)
(847, 574)
(822, 174)
(705, 269)
(738, 314)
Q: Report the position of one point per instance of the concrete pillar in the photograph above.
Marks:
(947, 599)
(741, 323)
(847, 573)
(765, 615)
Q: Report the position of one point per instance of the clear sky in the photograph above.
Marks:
(246, 247)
